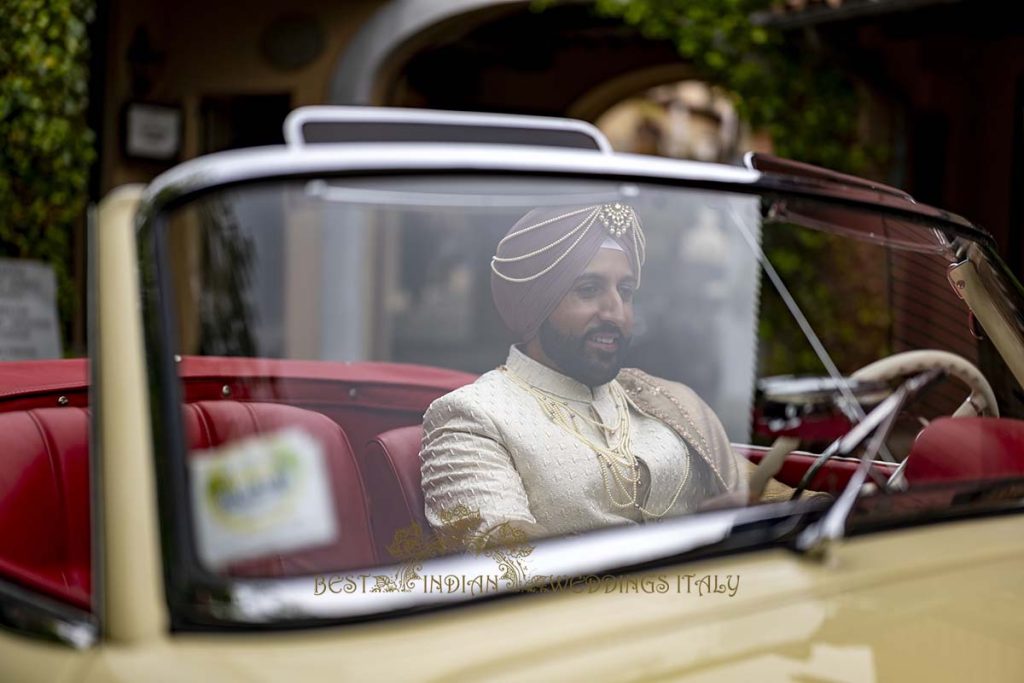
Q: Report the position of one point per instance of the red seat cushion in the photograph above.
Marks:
(967, 449)
(391, 466)
(210, 424)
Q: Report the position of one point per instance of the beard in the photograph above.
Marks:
(574, 358)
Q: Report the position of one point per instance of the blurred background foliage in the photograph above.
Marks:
(841, 285)
(46, 147)
(785, 85)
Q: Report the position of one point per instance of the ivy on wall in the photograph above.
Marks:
(46, 148)
(786, 86)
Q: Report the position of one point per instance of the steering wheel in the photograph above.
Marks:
(980, 402)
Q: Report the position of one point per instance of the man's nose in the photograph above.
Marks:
(613, 309)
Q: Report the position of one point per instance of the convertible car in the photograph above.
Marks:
(228, 487)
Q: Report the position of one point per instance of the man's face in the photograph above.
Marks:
(586, 336)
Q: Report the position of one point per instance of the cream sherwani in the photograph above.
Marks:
(490, 447)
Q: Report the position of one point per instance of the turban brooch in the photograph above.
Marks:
(537, 262)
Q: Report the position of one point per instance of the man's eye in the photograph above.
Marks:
(626, 293)
(587, 291)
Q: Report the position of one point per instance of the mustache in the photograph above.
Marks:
(606, 328)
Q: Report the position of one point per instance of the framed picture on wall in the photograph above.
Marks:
(152, 131)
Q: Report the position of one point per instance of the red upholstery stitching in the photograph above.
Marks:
(394, 470)
(205, 429)
(367, 506)
(252, 414)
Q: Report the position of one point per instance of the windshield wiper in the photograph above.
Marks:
(849, 442)
(815, 539)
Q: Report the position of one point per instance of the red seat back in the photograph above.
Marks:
(44, 493)
(967, 449)
(44, 501)
(391, 467)
(365, 398)
(210, 424)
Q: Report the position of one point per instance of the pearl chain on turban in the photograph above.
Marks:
(537, 262)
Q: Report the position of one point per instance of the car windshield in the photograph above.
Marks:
(372, 372)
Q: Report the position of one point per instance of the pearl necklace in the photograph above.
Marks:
(617, 459)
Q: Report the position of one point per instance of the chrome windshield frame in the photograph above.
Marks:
(223, 169)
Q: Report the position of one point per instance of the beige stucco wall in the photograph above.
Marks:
(212, 48)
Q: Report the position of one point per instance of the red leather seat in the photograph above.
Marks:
(391, 467)
(44, 493)
(365, 398)
(967, 449)
(44, 501)
(212, 423)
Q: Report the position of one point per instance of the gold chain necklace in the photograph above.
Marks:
(618, 459)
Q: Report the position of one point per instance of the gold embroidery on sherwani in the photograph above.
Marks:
(664, 400)
(615, 454)
(650, 396)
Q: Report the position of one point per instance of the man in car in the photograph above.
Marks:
(561, 439)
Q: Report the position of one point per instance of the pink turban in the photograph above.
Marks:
(538, 260)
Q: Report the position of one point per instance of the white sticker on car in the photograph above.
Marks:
(263, 495)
